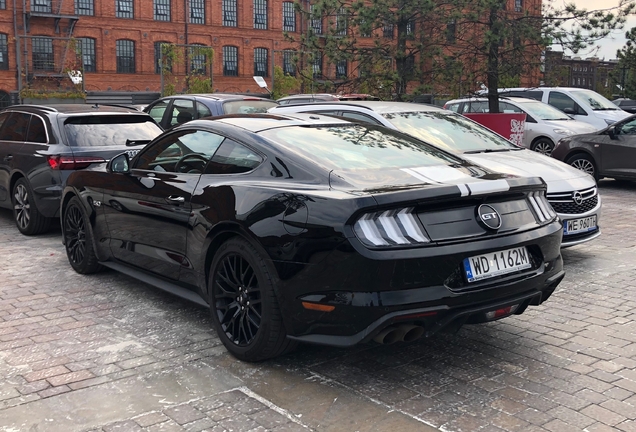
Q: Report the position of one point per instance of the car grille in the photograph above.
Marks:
(564, 203)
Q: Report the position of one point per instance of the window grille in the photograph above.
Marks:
(84, 7)
(229, 13)
(341, 22)
(341, 69)
(260, 62)
(43, 56)
(316, 66)
(197, 11)
(162, 10)
(289, 17)
(44, 6)
(289, 67)
(4, 52)
(198, 61)
(88, 54)
(125, 52)
(387, 30)
(124, 9)
(518, 5)
(316, 21)
(260, 14)
(230, 61)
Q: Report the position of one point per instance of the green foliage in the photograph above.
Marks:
(176, 68)
(284, 84)
(624, 74)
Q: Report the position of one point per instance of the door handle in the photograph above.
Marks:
(7, 158)
(175, 199)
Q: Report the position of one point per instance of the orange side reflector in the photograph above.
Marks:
(318, 307)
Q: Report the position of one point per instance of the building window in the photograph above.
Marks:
(84, 7)
(518, 5)
(87, 46)
(125, 51)
(316, 21)
(387, 30)
(260, 62)
(289, 67)
(3, 4)
(230, 61)
(159, 59)
(229, 13)
(44, 6)
(4, 52)
(43, 57)
(162, 10)
(316, 65)
(124, 9)
(289, 17)
(198, 60)
(260, 14)
(410, 27)
(197, 11)
(341, 69)
(451, 31)
(341, 22)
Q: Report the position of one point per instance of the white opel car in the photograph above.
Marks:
(545, 125)
(572, 193)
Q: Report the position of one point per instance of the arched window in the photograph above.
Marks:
(230, 61)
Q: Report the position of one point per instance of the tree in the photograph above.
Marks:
(425, 45)
(624, 74)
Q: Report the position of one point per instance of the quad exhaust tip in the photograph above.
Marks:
(401, 333)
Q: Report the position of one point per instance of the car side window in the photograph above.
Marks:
(233, 158)
(565, 103)
(203, 111)
(158, 110)
(359, 117)
(37, 131)
(181, 152)
(508, 108)
(15, 127)
(3, 118)
(182, 111)
(476, 107)
(453, 107)
(628, 128)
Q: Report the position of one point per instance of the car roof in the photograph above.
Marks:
(261, 122)
(306, 95)
(501, 98)
(382, 107)
(218, 96)
(77, 109)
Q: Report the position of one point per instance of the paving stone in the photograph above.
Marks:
(184, 414)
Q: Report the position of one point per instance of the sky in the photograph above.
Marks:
(611, 43)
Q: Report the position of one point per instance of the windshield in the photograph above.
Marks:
(248, 106)
(543, 111)
(112, 130)
(593, 100)
(353, 147)
(449, 131)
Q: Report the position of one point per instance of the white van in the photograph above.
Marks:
(582, 104)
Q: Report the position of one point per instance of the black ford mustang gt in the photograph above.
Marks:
(308, 228)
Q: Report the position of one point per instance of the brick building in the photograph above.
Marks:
(120, 40)
(590, 73)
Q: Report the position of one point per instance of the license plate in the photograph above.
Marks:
(493, 264)
(576, 226)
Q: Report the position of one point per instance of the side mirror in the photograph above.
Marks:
(119, 164)
(569, 110)
(611, 131)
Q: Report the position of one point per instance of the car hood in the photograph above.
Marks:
(559, 176)
(614, 115)
(578, 127)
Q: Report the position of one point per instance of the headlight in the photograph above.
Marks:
(542, 208)
(390, 228)
(563, 132)
(609, 122)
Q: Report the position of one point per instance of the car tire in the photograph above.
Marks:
(543, 146)
(243, 303)
(78, 238)
(585, 163)
(27, 217)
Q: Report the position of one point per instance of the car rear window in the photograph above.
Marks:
(248, 106)
(358, 147)
(112, 130)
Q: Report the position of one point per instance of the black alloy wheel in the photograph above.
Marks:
(243, 304)
(585, 163)
(78, 239)
(27, 217)
(543, 146)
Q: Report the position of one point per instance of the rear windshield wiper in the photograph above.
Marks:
(488, 151)
(131, 143)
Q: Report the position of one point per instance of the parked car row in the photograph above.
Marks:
(334, 223)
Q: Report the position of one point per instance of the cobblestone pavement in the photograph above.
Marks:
(107, 353)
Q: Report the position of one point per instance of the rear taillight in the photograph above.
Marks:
(72, 162)
(390, 228)
(541, 207)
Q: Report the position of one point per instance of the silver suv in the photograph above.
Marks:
(572, 193)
